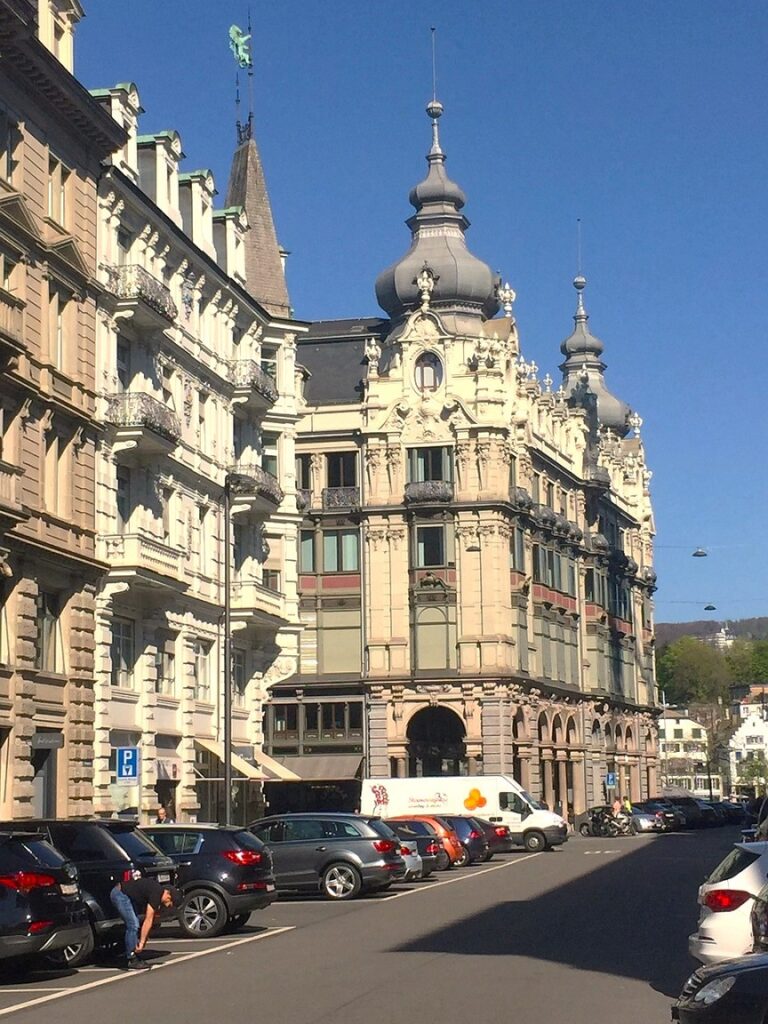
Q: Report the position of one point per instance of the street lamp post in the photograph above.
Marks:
(227, 652)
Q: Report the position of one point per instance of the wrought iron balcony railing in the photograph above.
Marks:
(428, 491)
(140, 410)
(252, 479)
(246, 373)
(341, 497)
(134, 282)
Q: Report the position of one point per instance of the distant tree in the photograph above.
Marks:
(754, 771)
(748, 661)
(688, 670)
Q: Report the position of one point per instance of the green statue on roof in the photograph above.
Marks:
(238, 44)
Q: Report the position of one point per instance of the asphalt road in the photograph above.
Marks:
(595, 931)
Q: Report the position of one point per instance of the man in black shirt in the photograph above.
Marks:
(141, 896)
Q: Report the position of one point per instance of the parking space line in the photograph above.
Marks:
(39, 988)
(125, 975)
(461, 878)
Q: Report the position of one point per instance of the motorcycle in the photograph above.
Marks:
(603, 822)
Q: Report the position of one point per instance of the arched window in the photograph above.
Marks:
(429, 372)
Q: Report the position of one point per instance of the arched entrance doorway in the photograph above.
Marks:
(436, 743)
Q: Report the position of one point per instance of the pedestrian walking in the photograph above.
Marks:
(140, 897)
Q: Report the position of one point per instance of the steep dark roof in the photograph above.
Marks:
(264, 275)
(334, 353)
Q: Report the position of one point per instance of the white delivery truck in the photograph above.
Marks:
(496, 798)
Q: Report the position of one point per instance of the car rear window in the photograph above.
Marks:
(412, 828)
(247, 840)
(736, 861)
(134, 843)
(84, 842)
(17, 853)
(381, 828)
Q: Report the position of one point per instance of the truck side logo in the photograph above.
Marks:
(475, 800)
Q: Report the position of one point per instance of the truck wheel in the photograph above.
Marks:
(534, 842)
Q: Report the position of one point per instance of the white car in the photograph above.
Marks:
(414, 865)
(726, 898)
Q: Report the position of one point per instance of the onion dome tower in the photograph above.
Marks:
(465, 288)
(583, 369)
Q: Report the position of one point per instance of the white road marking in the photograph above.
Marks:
(125, 975)
(39, 988)
(462, 878)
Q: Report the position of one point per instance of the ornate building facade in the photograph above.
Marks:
(52, 138)
(475, 559)
(196, 391)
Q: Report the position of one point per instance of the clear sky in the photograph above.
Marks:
(647, 121)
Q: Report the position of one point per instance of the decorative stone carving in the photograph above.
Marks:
(373, 355)
(376, 536)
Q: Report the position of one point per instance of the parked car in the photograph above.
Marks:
(734, 992)
(671, 819)
(338, 855)
(224, 873)
(733, 811)
(647, 821)
(446, 835)
(710, 815)
(41, 906)
(472, 838)
(426, 841)
(105, 851)
(433, 855)
(409, 851)
(498, 836)
(725, 927)
(686, 807)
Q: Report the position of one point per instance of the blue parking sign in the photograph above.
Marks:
(610, 780)
(127, 764)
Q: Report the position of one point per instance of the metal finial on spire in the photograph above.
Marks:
(579, 267)
(433, 30)
(580, 283)
(434, 107)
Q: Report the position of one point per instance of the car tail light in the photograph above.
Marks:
(405, 851)
(501, 830)
(38, 926)
(243, 856)
(726, 899)
(474, 834)
(127, 875)
(25, 881)
(251, 886)
(384, 845)
(433, 848)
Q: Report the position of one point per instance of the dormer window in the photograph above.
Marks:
(428, 372)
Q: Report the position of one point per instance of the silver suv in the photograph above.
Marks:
(338, 855)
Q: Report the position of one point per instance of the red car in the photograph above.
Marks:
(498, 836)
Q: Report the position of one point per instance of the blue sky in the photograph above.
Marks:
(647, 121)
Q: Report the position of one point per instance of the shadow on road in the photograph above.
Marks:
(630, 917)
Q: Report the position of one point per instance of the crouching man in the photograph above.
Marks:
(141, 897)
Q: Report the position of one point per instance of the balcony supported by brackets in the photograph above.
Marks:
(144, 563)
(255, 492)
(141, 426)
(254, 389)
(429, 492)
(140, 296)
(341, 498)
(257, 607)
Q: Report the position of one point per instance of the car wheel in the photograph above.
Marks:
(444, 862)
(203, 914)
(341, 882)
(534, 842)
(464, 859)
(74, 955)
(237, 921)
(584, 829)
(488, 856)
(633, 829)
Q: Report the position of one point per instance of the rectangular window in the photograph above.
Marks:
(167, 387)
(238, 546)
(166, 664)
(123, 365)
(269, 458)
(202, 534)
(269, 361)
(201, 668)
(677, 733)
(123, 498)
(304, 472)
(550, 494)
(512, 472)
(536, 487)
(48, 645)
(122, 653)
(517, 549)
(9, 140)
(430, 546)
(123, 247)
(429, 464)
(58, 188)
(166, 499)
(239, 677)
(307, 551)
(271, 579)
(8, 269)
(59, 313)
(238, 445)
(286, 720)
(340, 551)
(341, 469)
(202, 425)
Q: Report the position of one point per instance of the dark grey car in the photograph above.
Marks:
(337, 855)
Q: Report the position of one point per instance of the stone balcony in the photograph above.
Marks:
(253, 388)
(254, 491)
(144, 562)
(429, 492)
(142, 425)
(11, 330)
(343, 498)
(11, 511)
(140, 295)
(253, 604)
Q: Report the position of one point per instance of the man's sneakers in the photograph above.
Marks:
(135, 963)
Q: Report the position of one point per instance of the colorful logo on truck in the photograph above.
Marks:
(475, 800)
(380, 798)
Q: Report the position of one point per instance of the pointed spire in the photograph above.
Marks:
(264, 275)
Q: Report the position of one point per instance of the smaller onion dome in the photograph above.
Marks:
(583, 369)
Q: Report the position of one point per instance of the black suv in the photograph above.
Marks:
(224, 873)
(471, 836)
(41, 909)
(105, 852)
(339, 855)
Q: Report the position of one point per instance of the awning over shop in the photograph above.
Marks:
(169, 769)
(322, 767)
(273, 767)
(239, 763)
